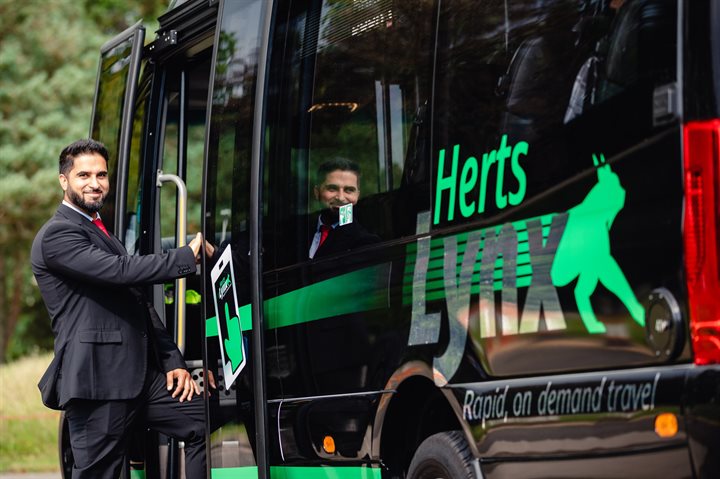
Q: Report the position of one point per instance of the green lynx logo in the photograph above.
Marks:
(584, 250)
(556, 250)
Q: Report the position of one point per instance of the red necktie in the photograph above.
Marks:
(324, 231)
(98, 222)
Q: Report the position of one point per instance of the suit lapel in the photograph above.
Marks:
(335, 235)
(72, 215)
(119, 247)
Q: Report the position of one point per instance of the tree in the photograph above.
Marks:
(48, 62)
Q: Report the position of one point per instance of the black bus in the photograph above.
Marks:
(536, 184)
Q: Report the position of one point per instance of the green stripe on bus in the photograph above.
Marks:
(248, 472)
(298, 472)
(355, 292)
(435, 277)
(359, 291)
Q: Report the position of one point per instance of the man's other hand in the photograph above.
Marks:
(185, 388)
(209, 250)
(195, 245)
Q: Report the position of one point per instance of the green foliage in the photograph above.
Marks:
(48, 63)
(33, 334)
(47, 60)
(113, 16)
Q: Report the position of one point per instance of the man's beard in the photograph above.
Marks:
(90, 207)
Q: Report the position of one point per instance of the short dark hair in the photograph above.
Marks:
(337, 163)
(80, 147)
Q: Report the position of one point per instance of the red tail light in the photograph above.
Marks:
(702, 188)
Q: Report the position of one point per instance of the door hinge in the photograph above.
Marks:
(164, 40)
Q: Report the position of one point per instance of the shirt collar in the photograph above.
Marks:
(320, 223)
(73, 207)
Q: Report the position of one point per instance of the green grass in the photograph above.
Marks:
(28, 430)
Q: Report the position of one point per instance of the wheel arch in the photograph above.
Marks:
(414, 411)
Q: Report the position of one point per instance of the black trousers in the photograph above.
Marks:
(100, 430)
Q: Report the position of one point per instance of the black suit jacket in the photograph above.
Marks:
(289, 241)
(103, 324)
(342, 238)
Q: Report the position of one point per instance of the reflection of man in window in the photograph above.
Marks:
(337, 185)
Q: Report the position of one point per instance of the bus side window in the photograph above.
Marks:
(558, 80)
(356, 82)
(638, 48)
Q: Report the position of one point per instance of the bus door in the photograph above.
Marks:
(162, 193)
(349, 84)
(233, 449)
(112, 116)
(180, 91)
(162, 209)
(159, 187)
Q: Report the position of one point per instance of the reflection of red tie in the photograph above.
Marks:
(98, 222)
(324, 231)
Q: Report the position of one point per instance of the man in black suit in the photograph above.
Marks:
(114, 360)
(337, 185)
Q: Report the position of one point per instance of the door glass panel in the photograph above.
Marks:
(169, 162)
(114, 84)
(349, 133)
(135, 172)
(227, 223)
(184, 143)
(356, 87)
(185, 106)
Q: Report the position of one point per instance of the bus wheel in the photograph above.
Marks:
(444, 455)
(66, 456)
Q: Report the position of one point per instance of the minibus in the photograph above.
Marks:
(528, 284)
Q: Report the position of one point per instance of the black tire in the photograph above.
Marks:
(445, 455)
